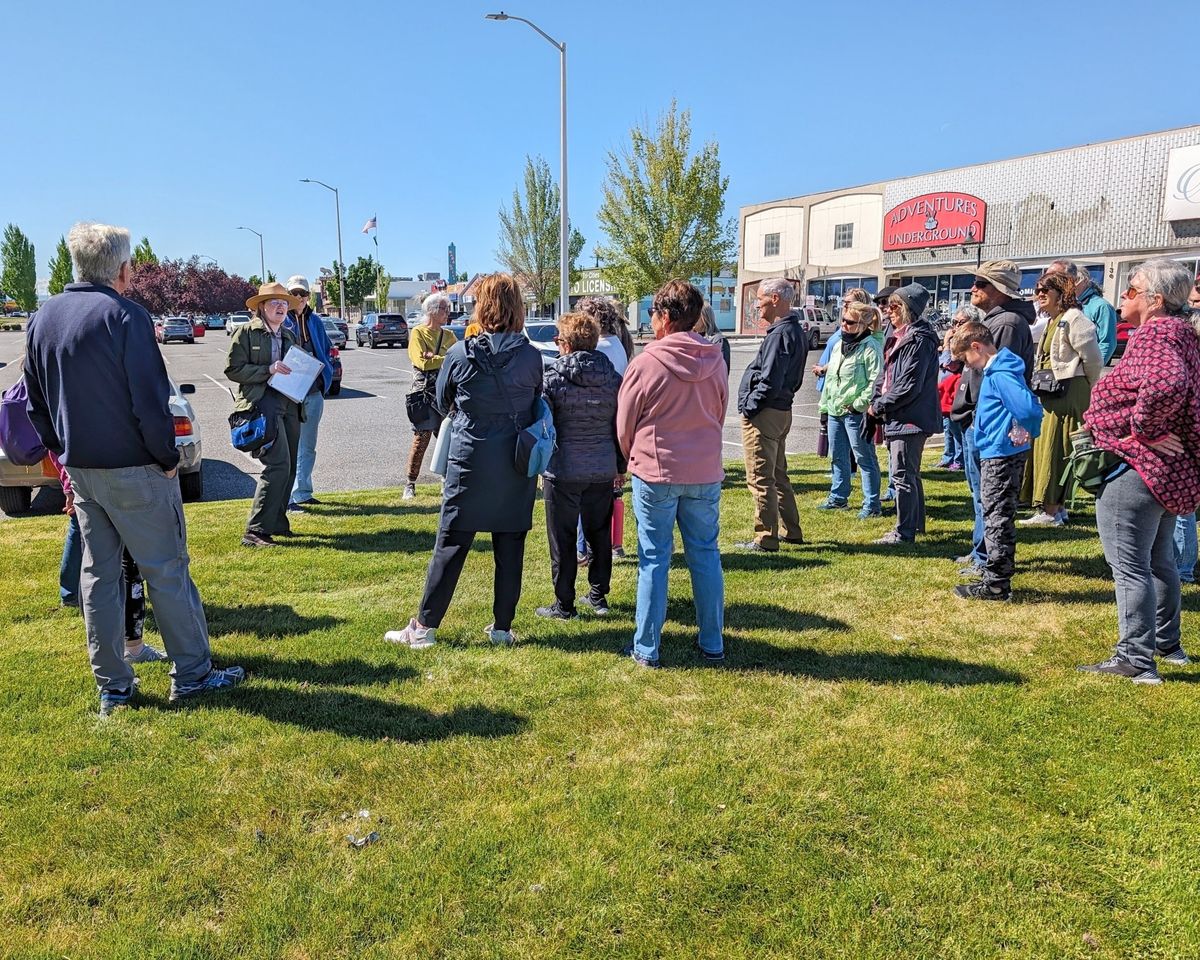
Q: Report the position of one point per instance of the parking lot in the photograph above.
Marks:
(365, 434)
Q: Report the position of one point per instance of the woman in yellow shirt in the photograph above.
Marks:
(427, 346)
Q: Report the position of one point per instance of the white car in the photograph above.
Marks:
(237, 319)
(541, 334)
(17, 483)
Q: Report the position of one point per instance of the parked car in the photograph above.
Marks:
(236, 319)
(17, 483)
(1124, 331)
(336, 336)
(199, 326)
(541, 334)
(341, 325)
(215, 321)
(458, 329)
(175, 328)
(380, 328)
(335, 385)
(819, 325)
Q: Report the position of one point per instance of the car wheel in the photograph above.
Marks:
(335, 388)
(814, 339)
(192, 340)
(371, 343)
(14, 500)
(191, 485)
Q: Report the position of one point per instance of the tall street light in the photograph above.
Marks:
(564, 227)
(262, 262)
(337, 205)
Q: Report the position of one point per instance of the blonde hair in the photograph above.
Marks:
(866, 313)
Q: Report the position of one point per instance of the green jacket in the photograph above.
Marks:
(249, 362)
(850, 381)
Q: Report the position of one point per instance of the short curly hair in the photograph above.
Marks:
(1062, 284)
(604, 312)
(579, 331)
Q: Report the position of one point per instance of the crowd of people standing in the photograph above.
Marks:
(98, 398)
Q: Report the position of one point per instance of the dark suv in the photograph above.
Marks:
(380, 328)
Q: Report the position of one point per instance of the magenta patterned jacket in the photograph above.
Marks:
(1153, 391)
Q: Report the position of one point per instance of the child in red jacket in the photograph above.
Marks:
(952, 451)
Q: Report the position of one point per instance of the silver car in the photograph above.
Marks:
(336, 337)
(17, 483)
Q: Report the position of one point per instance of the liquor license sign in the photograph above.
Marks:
(934, 220)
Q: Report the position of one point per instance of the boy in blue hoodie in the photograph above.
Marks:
(1007, 417)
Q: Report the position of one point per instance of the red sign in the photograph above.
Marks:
(934, 220)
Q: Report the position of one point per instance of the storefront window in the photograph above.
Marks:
(827, 294)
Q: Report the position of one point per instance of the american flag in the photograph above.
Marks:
(370, 225)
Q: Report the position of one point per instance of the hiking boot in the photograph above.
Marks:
(597, 604)
(555, 612)
(1176, 657)
(410, 491)
(252, 539)
(414, 636)
(114, 700)
(890, 539)
(833, 503)
(146, 655)
(1121, 668)
(639, 660)
(212, 682)
(981, 591)
(501, 638)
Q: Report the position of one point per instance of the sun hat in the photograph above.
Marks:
(1004, 275)
(297, 281)
(273, 291)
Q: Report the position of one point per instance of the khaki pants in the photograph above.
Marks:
(764, 440)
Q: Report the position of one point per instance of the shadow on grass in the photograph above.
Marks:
(367, 718)
(330, 508)
(395, 540)
(787, 557)
(346, 673)
(267, 621)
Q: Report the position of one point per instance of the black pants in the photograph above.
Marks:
(905, 452)
(566, 504)
(268, 510)
(999, 484)
(445, 567)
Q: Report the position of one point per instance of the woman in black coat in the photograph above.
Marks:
(488, 386)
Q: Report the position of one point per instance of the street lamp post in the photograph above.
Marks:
(262, 262)
(564, 227)
(337, 206)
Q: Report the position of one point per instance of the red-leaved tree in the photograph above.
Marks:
(178, 286)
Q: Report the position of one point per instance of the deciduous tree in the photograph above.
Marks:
(143, 253)
(176, 286)
(664, 208)
(383, 283)
(60, 268)
(529, 235)
(19, 276)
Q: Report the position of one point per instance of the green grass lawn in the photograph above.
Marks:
(881, 770)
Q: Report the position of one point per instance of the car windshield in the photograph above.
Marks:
(542, 333)
(330, 325)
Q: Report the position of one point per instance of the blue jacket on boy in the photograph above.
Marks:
(1003, 398)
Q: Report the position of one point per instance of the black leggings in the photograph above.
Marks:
(446, 565)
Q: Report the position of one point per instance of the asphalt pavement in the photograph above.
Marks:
(364, 436)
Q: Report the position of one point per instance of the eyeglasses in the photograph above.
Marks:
(980, 284)
(556, 340)
(278, 303)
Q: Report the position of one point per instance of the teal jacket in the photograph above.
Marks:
(850, 381)
(1102, 314)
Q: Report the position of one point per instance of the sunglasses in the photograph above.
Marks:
(1041, 289)
(980, 285)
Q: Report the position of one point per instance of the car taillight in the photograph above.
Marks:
(183, 427)
(333, 353)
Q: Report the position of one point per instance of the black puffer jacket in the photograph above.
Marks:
(1011, 327)
(581, 389)
(906, 397)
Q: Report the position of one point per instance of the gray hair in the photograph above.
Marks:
(1169, 279)
(709, 319)
(97, 252)
(777, 285)
(971, 312)
(434, 303)
(1069, 267)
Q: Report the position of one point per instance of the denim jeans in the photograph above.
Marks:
(696, 507)
(953, 446)
(845, 435)
(1137, 534)
(1186, 547)
(971, 468)
(72, 562)
(306, 456)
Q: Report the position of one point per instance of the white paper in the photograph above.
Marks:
(305, 369)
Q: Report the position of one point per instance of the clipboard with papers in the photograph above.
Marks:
(305, 369)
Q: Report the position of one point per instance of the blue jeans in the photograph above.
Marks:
(696, 507)
(971, 468)
(1186, 547)
(845, 434)
(953, 451)
(306, 455)
(72, 563)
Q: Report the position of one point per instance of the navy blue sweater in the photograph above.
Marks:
(98, 390)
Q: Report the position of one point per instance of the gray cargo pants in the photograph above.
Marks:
(140, 508)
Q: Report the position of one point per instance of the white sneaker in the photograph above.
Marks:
(410, 491)
(1041, 519)
(502, 638)
(413, 636)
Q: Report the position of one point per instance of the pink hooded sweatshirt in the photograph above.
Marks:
(671, 411)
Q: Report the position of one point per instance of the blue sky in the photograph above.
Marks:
(183, 121)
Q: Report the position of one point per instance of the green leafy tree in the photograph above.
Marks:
(664, 209)
(529, 235)
(361, 280)
(256, 281)
(143, 253)
(462, 277)
(19, 276)
(60, 268)
(383, 283)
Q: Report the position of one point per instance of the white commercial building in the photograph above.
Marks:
(1107, 206)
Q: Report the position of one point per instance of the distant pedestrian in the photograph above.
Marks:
(258, 351)
(491, 382)
(906, 403)
(1007, 415)
(427, 346)
(706, 326)
(309, 330)
(581, 387)
(1094, 306)
(670, 417)
(765, 398)
(99, 399)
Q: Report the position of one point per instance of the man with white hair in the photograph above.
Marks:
(765, 403)
(311, 337)
(99, 399)
(1093, 305)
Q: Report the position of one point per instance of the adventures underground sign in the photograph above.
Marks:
(934, 220)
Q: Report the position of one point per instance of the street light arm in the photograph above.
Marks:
(321, 182)
(508, 16)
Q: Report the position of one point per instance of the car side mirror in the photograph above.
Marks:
(187, 388)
